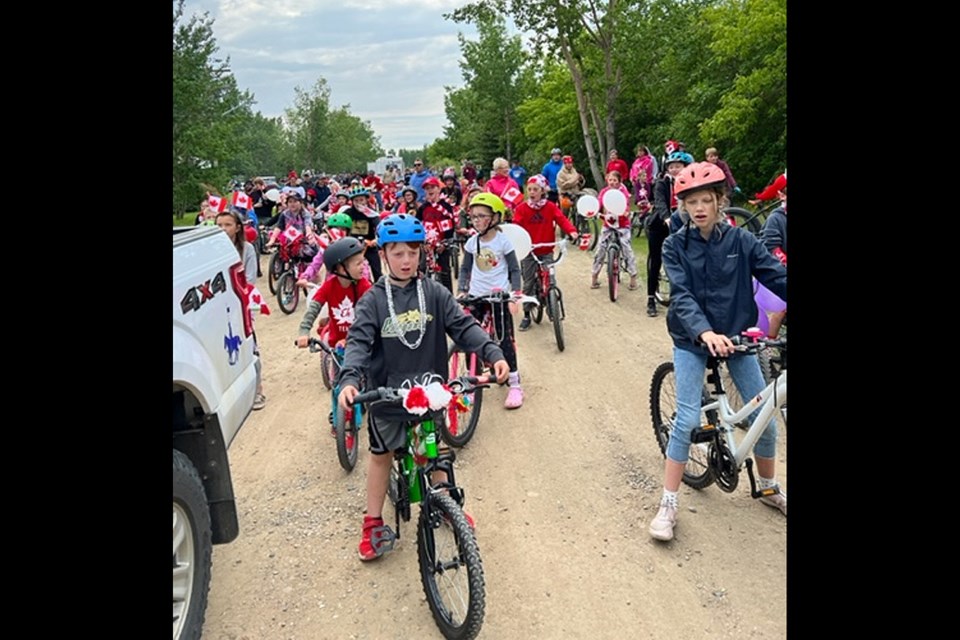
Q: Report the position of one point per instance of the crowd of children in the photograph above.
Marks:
(393, 323)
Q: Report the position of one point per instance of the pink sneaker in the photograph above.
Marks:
(514, 398)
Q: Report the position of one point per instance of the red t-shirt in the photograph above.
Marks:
(374, 183)
(619, 165)
(539, 224)
(342, 302)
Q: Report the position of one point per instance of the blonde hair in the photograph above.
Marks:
(711, 151)
(500, 163)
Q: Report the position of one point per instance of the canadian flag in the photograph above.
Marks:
(292, 234)
(241, 200)
(512, 195)
(217, 203)
(255, 301)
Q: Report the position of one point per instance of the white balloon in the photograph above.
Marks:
(519, 238)
(615, 202)
(588, 206)
(273, 195)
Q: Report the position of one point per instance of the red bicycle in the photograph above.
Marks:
(463, 414)
(549, 294)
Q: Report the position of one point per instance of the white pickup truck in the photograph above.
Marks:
(214, 382)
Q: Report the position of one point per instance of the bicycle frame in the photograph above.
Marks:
(773, 396)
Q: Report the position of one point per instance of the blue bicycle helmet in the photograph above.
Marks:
(400, 227)
(679, 156)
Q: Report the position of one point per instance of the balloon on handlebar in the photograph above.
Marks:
(519, 238)
(272, 195)
(767, 302)
(588, 206)
(615, 202)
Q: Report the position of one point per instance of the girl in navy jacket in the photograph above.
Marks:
(710, 265)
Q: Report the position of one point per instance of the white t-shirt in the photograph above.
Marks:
(489, 264)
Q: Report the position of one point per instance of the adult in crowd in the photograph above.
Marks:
(502, 185)
(643, 171)
(550, 171)
(569, 180)
(417, 178)
(517, 172)
(616, 163)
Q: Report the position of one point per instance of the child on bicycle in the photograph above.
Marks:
(615, 229)
(710, 265)
(399, 333)
(489, 265)
(338, 226)
(774, 237)
(436, 214)
(540, 218)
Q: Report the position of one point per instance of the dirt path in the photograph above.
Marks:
(562, 491)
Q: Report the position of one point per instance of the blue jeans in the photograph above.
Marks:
(689, 369)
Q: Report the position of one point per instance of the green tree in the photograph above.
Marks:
(482, 115)
(207, 106)
(576, 31)
(749, 122)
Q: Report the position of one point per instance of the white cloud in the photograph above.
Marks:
(389, 59)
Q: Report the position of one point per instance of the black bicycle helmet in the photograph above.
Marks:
(339, 251)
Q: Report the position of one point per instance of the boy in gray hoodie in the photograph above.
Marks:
(400, 333)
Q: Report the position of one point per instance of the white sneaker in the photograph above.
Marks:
(661, 527)
(777, 500)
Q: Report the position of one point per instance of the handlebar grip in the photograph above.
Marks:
(369, 396)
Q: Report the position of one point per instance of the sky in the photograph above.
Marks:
(387, 59)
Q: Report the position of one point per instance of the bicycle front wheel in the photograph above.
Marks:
(663, 411)
(274, 271)
(450, 568)
(537, 312)
(345, 422)
(288, 293)
(326, 370)
(462, 415)
(613, 271)
(594, 229)
(553, 304)
(662, 294)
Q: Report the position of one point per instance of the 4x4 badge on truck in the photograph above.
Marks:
(195, 297)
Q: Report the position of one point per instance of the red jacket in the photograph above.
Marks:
(539, 223)
(619, 165)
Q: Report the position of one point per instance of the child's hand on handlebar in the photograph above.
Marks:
(303, 341)
(719, 345)
(347, 394)
(502, 370)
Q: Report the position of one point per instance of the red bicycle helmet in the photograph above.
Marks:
(699, 175)
(432, 181)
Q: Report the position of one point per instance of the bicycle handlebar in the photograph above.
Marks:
(459, 385)
(496, 297)
(561, 247)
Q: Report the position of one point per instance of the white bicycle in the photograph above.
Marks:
(715, 453)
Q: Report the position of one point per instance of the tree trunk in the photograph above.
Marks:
(581, 106)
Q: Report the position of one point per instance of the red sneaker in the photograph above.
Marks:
(377, 539)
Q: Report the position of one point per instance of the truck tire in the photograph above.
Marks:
(192, 549)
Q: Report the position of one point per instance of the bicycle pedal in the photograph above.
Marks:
(382, 539)
(704, 433)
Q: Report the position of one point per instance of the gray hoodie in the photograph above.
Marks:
(373, 346)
